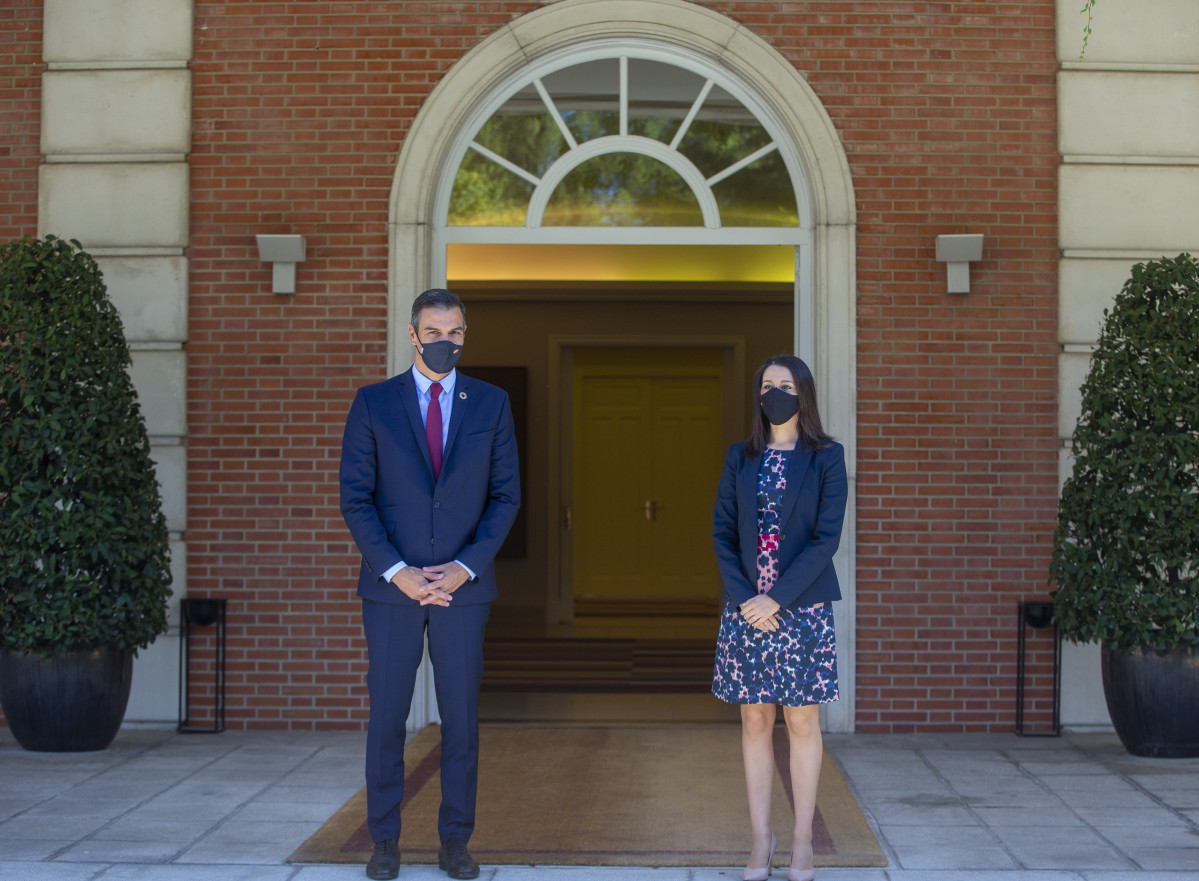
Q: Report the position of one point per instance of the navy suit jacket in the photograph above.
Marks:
(813, 509)
(391, 504)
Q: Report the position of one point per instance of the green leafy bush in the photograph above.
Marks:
(1126, 550)
(83, 542)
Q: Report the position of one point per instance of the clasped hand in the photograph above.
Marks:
(432, 585)
(761, 612)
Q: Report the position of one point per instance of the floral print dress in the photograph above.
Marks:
(795, 665)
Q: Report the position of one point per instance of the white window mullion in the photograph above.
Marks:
(553, 109)
(624, 95)
(737, 166)
(627, 235)
(695, 106)
(504, 163)
(567, 162)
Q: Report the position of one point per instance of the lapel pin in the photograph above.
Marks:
(462, 395)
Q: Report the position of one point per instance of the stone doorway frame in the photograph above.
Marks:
(827, 341)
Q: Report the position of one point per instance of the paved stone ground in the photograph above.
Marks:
(161, 806)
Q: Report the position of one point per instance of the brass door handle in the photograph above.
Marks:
(651, 510)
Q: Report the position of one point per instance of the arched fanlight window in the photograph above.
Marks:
(622, 140)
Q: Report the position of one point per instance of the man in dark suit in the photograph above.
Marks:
(429, 489)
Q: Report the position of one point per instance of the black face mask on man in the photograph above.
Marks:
(778, 405)
(441, 356)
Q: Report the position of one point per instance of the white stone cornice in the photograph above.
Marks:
(1099, 66)
(115, 136)
(1172, 161)
(1128, 187)
(94, 158)
(1131, 255)
(165, 64)
(154, 346)
(135, 252)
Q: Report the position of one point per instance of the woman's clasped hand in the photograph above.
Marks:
(761, 612)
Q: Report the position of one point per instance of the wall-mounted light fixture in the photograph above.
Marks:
(284, 252)
(957, 252)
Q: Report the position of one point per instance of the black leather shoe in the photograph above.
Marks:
(454, 859)
(385, 860)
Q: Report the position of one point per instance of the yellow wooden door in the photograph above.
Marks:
(647, 457)
(687, 457)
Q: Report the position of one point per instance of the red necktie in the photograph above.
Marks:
(433, 428)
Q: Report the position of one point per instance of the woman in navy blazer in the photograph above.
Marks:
(777, 524)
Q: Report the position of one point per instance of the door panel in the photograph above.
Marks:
(686, 467)
(609, 479)
(647, 455)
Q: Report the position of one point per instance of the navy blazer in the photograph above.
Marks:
(394, 509)
(813, 509)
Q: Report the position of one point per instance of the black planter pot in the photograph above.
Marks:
(1154, 701)
(71, 702)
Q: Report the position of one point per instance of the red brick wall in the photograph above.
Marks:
(946, 111)
(300, 110)
(20, 117)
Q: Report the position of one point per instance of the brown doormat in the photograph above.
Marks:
(653, 795)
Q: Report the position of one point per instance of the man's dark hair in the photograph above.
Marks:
(435, 298)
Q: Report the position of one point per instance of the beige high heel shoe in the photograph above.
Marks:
(751, 874)
(794, 874)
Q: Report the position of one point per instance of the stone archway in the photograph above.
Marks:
(829, 340)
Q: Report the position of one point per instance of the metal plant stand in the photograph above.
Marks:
(201, 613)
(1037, 615)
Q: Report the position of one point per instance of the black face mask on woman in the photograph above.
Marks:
(441, 356)
(778, 405)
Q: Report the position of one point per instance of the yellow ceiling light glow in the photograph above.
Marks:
(716, 263)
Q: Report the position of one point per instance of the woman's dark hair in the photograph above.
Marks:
(811, 432)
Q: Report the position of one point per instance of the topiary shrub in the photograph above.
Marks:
(83, 542)
(1126, 549)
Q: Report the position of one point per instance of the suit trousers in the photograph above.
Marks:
(395, 644)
